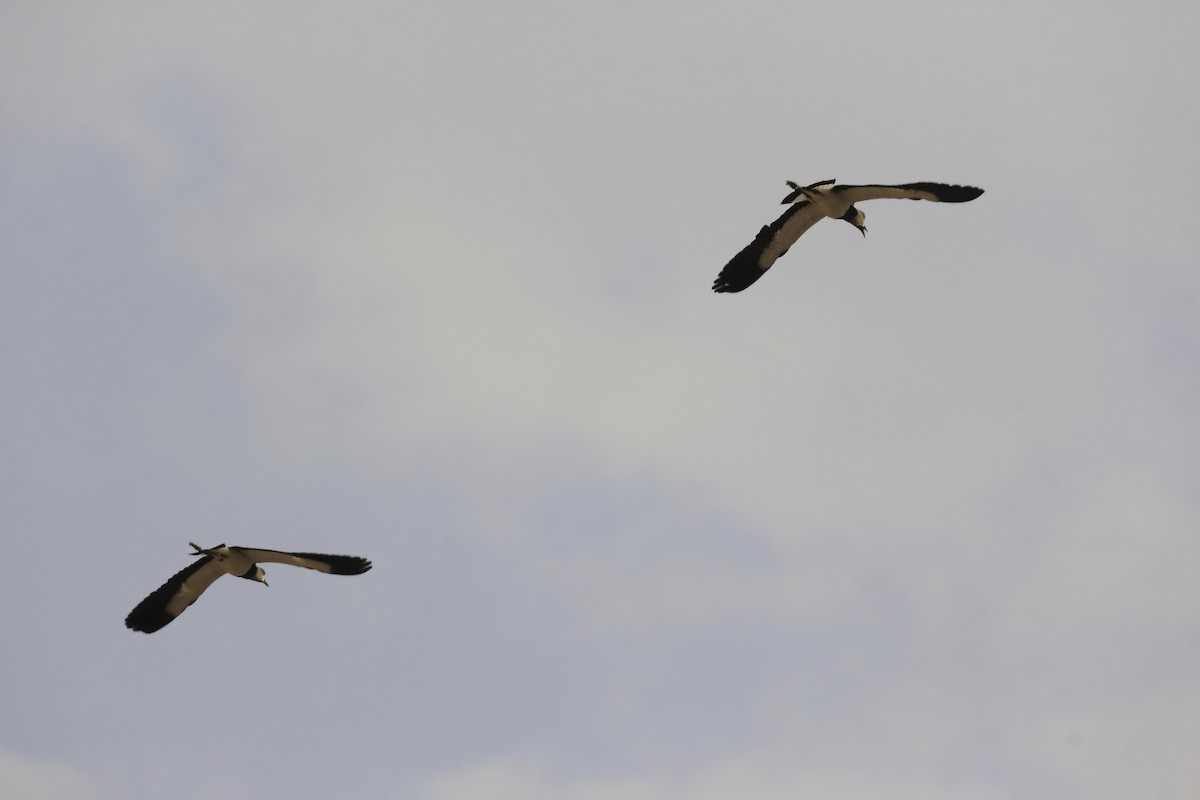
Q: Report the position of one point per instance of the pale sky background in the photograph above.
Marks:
(915, 517)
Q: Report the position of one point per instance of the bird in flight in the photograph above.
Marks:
(809, 204)
(172, 598)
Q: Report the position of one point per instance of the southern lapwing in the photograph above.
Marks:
(172, 598)
(809, 205)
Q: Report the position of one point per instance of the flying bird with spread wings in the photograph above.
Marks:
(172, 598)
(812, 203)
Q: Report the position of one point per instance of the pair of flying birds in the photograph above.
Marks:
(809, 204)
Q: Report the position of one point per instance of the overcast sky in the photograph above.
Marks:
(915, 517)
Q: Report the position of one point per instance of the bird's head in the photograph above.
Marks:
(260, 575)
(856, 218)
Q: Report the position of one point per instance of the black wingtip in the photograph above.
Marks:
(743, 269)
(146, 625)
(947, 193)
(961, 194)
(352, 565)
(736, 281)
(148, 619)
(341, 565)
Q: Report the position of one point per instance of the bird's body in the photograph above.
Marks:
(809, 205)
(172, 598)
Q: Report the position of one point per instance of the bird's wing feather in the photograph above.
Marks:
(171, 599)
(335, 565)
(793, 195)
(937, 192)
(770, 244)
(796, 191)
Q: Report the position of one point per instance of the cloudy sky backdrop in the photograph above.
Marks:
(916, 517)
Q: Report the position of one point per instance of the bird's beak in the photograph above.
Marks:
(863, 230)
(264, 583)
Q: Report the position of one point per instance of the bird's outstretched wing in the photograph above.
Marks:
(937, 192)
(770, 244)
(171, 599)
(334, 565)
